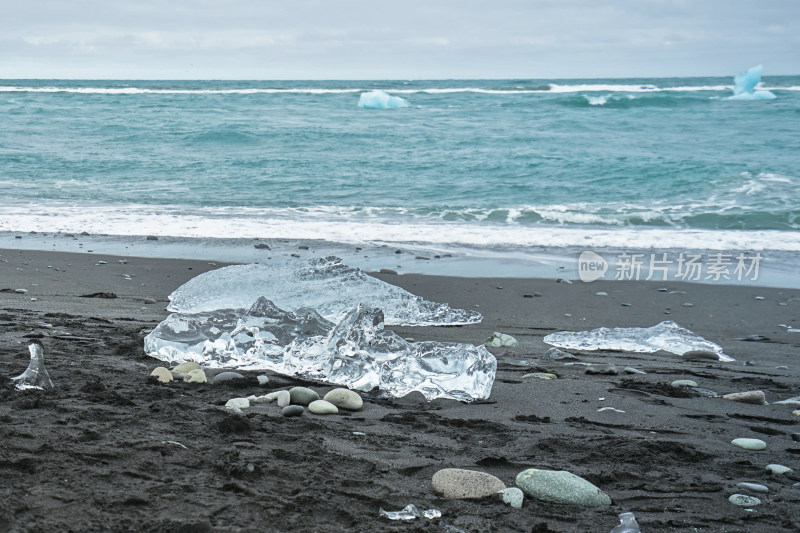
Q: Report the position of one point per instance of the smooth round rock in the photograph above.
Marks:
(750, 444)
(283, 397)
(222, 377)
(321, 407)
(302, 395)
(162, 374)
(743, 500)
(540, 375)
(498, 340)
(186, 367)
(237, 403)
(344, 399)
(778, 469)
(755, 397)
(684, 383)
(560, 486)
(263, 379)
(700, 355)
(631, 370)
(753, 487)
(513, 496)
(293, 410)
(608, 369)
(465, 484)
(195, 376)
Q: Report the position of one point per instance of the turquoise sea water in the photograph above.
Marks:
(516, 163)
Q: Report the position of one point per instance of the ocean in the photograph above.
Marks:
(512, 169)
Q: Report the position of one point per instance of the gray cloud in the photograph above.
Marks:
(349, 39)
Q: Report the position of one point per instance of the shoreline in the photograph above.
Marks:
(94, 454)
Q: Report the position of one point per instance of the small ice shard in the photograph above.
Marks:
(745, 84)
(356, 352)
(381, 100)
(326, 285)
(36, 376)
(409, 512)
(627, 524)
(667, 336)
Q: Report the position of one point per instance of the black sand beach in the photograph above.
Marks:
(109, 450)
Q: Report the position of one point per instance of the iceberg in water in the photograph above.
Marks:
(667, 336)
(325, 285)
(381, 100)
(355, 351)
(745, 84)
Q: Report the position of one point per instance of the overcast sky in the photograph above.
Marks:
(408, 39)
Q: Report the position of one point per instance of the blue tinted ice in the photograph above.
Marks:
(381, 100)
(326, 285)
(667, 336)
(745, 84)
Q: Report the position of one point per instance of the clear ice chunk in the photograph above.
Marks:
(355, 352)
(381, 100)
(745, 84)
(326, 285)
(410, 512)
(627, 524)
(667, 336)
(36, 376)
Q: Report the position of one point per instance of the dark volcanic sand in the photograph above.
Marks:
(101, 452)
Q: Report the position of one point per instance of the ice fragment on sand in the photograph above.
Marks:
(667, 336)
(745, 83)
(381, 100)
(410, 512)
(356, 352)
(326, 285)
(627, 524)
(36, 376)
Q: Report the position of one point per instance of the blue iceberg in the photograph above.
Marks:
(745, 84)
(381, 100)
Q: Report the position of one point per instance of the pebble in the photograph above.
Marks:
(755, 397)
(21, 291)
(388, 271)
(283, 397)
(222, 377)
(498, 340)
(195, 376)
(162, 374)
(744, 501)
(237, 403)
(540, 375)
(344, 399)
(796, 413)
(752, 487)
(688, 304)
(302, 395)
(601, 293)
(631, 370)
(759, 298)
(513, 496)
(560, 486)
(186, 367)
(750, 444)
(293, 410)
(700, 355)
(149, 301)
(684, 383)
(778, 469)
(465, 484)
(321, 407)
(263, 379)
(602, 369)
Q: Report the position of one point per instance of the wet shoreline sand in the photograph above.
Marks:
(98, 453)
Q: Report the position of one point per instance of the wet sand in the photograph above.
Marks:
(108, 450)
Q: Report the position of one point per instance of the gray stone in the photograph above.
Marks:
(293, 410)
(749, 444)
(560, 486)
(608, 369)
(540, 375)
(321, 407)
(186, 367)
(344, 399)
(744, 501)
(684, 383)
(195, 376)
(513, 497)
(755, 397)
(283, 397)
(631, 370)
(700, 355)
(465, 484)
(778, 469)
(161, 374)
(752, 487)
(149, 301)
(498, 340)
(263, 379)
(222, 377)
(302, 395)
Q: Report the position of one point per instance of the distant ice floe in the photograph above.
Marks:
(745, 84)
(667, 336)
(381, 100)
